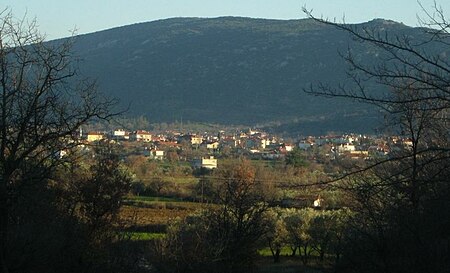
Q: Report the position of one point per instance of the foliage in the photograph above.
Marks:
(145, 236)
(317, 232)
(296, 158)
(101, 193)
(277, 235)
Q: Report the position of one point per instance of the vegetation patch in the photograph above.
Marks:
(145, 236)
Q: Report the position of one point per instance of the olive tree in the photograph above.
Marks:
(298, 224)
(277, 235)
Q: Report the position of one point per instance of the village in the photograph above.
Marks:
(203, 149)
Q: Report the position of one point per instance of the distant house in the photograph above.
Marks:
(154, 154)
(318, 203)
(343, 148)
(351, 139)
(192, 139)
(408, 143)
(158, 154)
(305, 145)
(62, 153)
(288, 147)
(120, 134)
(94, 136)
(196, 140)
(230, 142)
(380, 149)
(214, 145)
(208, 163)
(359, 154)
(255, 143)
(141, 135)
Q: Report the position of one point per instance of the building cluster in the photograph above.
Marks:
(251, 143)
(355, 146)
(155, 146)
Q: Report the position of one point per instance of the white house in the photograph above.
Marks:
(208, 163)
(141, 135)
(121, 134)
(347, 147)
(154, 154)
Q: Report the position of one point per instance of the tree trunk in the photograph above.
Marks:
(322, 254)
(305, 255)
(3, 226)
(294, 251)
(276, 255)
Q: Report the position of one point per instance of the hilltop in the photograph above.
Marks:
(230, 70)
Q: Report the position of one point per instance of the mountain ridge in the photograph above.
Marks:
(230, 70)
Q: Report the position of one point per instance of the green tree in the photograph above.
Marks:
(320, 232)
(277, 235)
(91, 190)
(101, 192)
(296, 158)
(298, 226)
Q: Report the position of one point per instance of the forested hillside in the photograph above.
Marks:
(231, 71)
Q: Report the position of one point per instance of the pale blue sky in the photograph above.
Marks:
(57, 17)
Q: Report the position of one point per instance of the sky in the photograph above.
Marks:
(58, 18)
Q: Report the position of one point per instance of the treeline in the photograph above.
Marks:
(133, 123)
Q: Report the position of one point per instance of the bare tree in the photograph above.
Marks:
(224, 237)
(402, 201)
(240, 220)
(42, 105)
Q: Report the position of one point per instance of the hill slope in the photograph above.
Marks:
(228, 70)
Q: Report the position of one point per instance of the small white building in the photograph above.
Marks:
(95, 136)
(196, 140)
(120, 134)
(288, 147)
(212, 145)
(207, 163)
(141, 135)
(154, 154)
(347, 147)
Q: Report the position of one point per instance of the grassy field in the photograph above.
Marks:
(153, 199)
(182, 180)
(289, 265)
(265, 252)
(145, 236)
